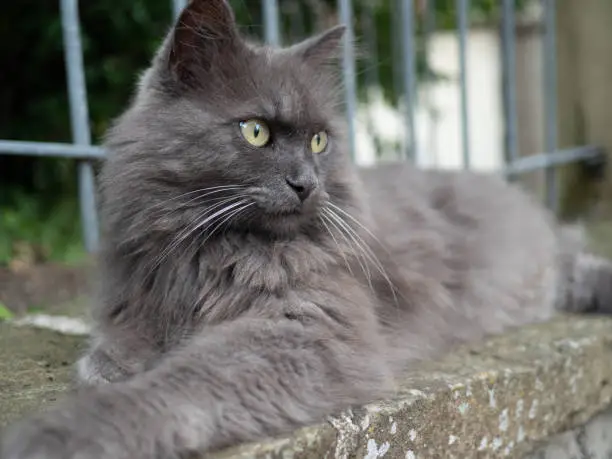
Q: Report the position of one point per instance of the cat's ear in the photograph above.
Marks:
(322, 48)
(205, 30)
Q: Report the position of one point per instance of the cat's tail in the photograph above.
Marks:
(586, 279)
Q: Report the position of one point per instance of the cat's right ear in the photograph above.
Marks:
(204, 31)
(322, 48)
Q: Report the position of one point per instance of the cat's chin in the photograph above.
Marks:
(285, 223)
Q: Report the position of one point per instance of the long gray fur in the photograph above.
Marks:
(230, 310)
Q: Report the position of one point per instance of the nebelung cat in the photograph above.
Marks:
(253, 281)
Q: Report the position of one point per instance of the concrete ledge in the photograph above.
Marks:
(501, 399)
(35, 368)
(590, 441)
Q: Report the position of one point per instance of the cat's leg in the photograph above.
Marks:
(237, 382)
(586, 285)
(111, 358)
(98, 367)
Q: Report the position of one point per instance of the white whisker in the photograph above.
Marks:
(209, 193)
(361, 225)
(225, 220)
(179, 239)
(340, 225)
(368, 252)
(206, 192)
(323, 221)
(189, 230)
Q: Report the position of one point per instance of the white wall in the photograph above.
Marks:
(485, 116)
(438, 115)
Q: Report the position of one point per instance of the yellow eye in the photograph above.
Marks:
(255, 132)
(319, 142)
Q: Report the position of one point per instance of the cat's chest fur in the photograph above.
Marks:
(232, 276)
(239, 275)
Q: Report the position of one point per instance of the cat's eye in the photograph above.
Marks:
(256, 132)
(319, 142)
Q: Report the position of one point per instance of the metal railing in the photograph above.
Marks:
(404, 32)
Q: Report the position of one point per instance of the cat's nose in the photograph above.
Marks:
(302, 185)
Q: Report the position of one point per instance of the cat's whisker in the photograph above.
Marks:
(225, 200)
(323, 219)
(190, 230)
(368, 252)
(248, 214)
(205, 192)
(206, 196)
(244, 216)
(365, 251)
(356, 247)
(227, 218)
(337, 223)
(371, 252)
(216, 199)
(199, 223)
(211, 217)
(361, 225)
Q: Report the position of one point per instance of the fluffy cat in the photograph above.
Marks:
(253, 281)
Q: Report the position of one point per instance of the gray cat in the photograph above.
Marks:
(253, 281)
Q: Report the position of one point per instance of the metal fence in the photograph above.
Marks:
(404, 34)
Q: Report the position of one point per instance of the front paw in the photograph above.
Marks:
(102, 422)
(46, 437)
(85, 425)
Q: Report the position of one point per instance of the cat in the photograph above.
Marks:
(254, 281)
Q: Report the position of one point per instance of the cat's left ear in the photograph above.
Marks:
(322, 48)
(204, 33)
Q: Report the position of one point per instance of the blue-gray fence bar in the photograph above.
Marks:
(509, 77)
(350, 78)
(369, 30)
(397, 53)
(587, 154)
(177, 7)
(550, 92)
(429, 27)
(462, 26)
(67, 150)
(79, 116)
(368, 25)
(409, 74)
(271, 20)
(590, 154)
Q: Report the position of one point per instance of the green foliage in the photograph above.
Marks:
(481, 12)
(44, 232)
(5, 313)
(38, 196)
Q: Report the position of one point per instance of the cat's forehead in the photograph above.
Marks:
(279, 86)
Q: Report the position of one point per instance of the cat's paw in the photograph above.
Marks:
(43, 438)
(94, 423)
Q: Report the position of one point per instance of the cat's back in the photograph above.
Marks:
(403, 198)
(484, 240)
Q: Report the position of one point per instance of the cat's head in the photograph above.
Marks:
(225, 133)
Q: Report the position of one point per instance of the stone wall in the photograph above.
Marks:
(512, 396)
(590, 441)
